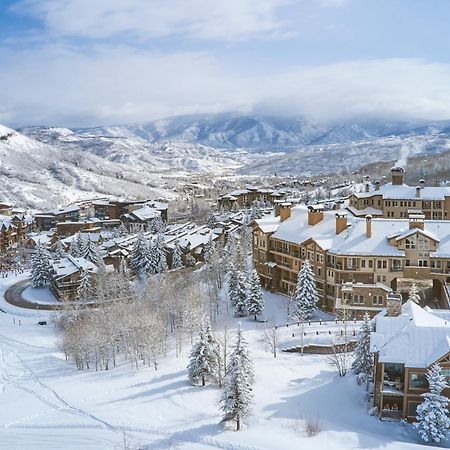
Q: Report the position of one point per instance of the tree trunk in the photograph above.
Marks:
(238, 424)
(203, 380)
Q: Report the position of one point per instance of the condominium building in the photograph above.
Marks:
(359, 260)
(244, 198)
(394, 200)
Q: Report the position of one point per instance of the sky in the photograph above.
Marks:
(99, 62)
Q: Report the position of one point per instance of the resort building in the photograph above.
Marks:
(406, 341)
(396, 199)
(244, 198)
(356, 260)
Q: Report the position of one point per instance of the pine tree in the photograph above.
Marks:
(160, 254)
(40, 267)
(238, 392)
(255, 299)
(81, 243)
(74, 250)
(90, 252)
(432, 415)
(85, 290)
(59, 250)
(414, 294)
(209, 249)
(177, 262)
(138, 254)
(204, 360)
(305, 296)
(232, 285)
(363, 362)
(241, 295)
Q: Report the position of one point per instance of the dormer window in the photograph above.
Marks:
(410, 243)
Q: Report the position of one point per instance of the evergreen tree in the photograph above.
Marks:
(177, 262)
(239, 379)
(305, 296)
(138, 254)
(255, 299)
(40, 267)
(241, 295)
(85, 290)
(432, 415)
(160, 254)
(157, 225)
(74, 250)
(414, 294)
(81, 243)
(204, 360)
(90, 252)
(232, 285)
(209, 249)
(363, 362)
(123, 269)
(59, 250)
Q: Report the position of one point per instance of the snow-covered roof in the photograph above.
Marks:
(363, 212)
(417, 337)
(268, 223)
(69, 265)
(353, 240)
(405, 192)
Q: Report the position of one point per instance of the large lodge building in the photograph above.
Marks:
(394, 200)
(360, 260)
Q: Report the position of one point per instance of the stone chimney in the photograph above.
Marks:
(416, 220)
(393, 305)
(377, 185)
(368, 225)
(285, 211)
(398, 174)
(315, 214)
(341, 222)
(422, 183)
(418, 192)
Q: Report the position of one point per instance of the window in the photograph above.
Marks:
(363, 263)
(359, 299)
(412, 408)
(418, 381)
(410, 243)
(370, 264)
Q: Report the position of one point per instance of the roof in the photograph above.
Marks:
(416, 338)
(268, 223)
(69, 265)
(403, 191)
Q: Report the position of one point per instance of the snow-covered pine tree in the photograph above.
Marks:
(59, 250)
(209, 249)
(255, 299)
(40, 267)
(177, 262)
(241, 295)
(237, 395)
(414, 294)
(157, 226)
(305, 296)
(204, 360)
(432, 415)
(81, 243)
(74, 250)
(138, 254)
(123, 269)
(232, 284)
(90, 251)
(363, 362)
(160, 254)
(85, 290)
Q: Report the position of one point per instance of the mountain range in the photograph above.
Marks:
(50, 165)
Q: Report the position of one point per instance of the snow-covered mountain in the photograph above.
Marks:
(261, 133)
(46, 165)
(52, 166)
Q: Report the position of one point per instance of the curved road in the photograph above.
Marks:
(13, 296)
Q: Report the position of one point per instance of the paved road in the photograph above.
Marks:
(13, 296)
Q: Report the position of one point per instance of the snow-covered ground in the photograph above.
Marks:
(47, 404)
(43, 296)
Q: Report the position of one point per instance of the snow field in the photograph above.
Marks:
(48, 404)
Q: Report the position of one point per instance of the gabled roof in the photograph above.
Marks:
(412, 231)
(416, 338)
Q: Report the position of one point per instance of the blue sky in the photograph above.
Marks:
(88, 62)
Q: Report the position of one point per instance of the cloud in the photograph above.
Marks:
(144, 19)
(117, 84)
